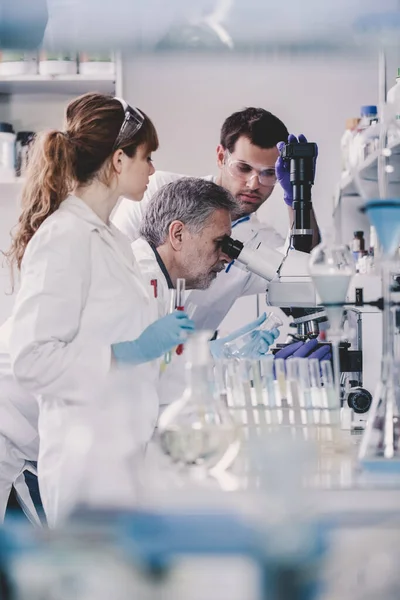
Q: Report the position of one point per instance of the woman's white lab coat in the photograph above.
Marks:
(81, 290)
(19, 440)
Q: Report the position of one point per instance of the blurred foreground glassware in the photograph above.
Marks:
(197, 429)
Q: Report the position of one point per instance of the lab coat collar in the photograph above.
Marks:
(162, 267)
(110, 234)
(79, 208)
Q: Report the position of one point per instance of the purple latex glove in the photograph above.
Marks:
(307, 349)
(282, 168)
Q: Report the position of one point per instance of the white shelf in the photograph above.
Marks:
(368, 172)
(57, 84)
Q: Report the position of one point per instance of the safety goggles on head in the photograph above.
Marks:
(242, 171)
(133, 121)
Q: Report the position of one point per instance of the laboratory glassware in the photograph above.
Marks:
(172, 304)
(235, 348)
(331, 267)
(379, 448)
(180, 304)
(197, 429)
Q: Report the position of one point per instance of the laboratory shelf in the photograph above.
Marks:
(57, 84)
(369, 173)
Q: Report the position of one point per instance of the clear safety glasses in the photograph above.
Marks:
(244, 172)
(132, 123)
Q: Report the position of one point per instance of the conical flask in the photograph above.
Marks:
(197, 429)
(379, 184)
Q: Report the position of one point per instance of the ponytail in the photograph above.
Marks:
(61, 161)
(48, 181)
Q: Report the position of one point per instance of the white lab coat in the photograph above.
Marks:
(171, 383)
(213, 304)
(19, 439)
(81, 290)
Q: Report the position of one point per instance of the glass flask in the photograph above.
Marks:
(197, 429)
(378, 182)
(331, 267)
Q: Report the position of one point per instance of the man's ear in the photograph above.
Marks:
(220, 156)
(175, 234)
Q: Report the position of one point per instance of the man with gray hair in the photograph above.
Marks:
(184, 226)
(182, 232)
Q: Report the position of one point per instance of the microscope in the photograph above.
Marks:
(289, 284)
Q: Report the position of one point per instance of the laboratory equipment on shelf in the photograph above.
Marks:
(381, 437)
(16, 63)
(7, 152)
(358, 245)
(366, 137)
(393, 95)
(345, 142)
(23, 147)
(380, 444)
(331, 268)
(197, 430)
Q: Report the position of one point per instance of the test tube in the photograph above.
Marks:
(293, 397)
(180, 303)
(331, 402)
(172, 303)
(315, 383)
(280, 372)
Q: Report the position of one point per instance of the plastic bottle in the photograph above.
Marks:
(7, 152)
(393, 96)
(345, 142)
(358, 245)
(23, 145)
(366, 136)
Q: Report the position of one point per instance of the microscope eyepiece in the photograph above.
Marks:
(231, 247)
(304, 150)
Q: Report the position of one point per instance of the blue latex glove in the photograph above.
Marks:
(217, 346)
(157, 339)
(306, 349)
(282, 168)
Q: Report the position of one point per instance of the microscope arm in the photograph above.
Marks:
(289, 282)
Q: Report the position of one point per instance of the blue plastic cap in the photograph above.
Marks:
(368, 110)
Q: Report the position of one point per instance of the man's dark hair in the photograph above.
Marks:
(261, 127)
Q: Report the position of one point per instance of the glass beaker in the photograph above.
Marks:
(235, 347)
